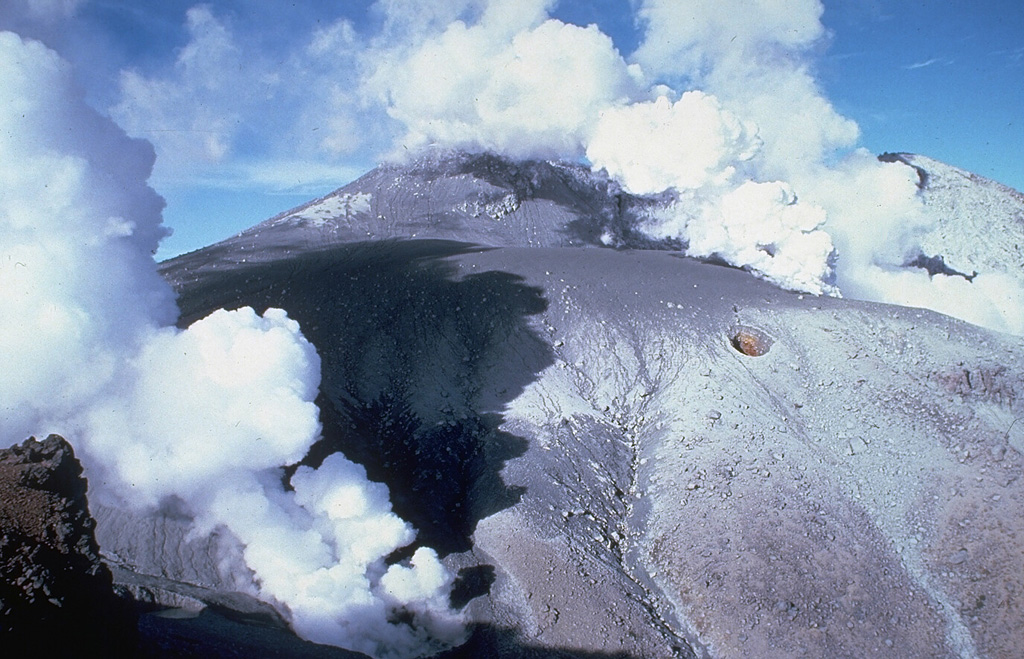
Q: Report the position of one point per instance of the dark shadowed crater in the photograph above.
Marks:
(418, 362)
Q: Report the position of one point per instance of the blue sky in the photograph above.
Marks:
(242, 142)
(941, 78)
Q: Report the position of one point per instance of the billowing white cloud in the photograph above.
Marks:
(651, 147)
(236, 377)
(75, 212)
(330, 570)
(760, 226)
(206, 417)
(534, 93)
(754, 57)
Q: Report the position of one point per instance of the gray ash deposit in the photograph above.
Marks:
(577, 434)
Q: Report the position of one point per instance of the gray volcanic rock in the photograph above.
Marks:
(155, 561)
(56, 596)
(629, 453)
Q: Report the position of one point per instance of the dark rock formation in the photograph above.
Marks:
(56, 596)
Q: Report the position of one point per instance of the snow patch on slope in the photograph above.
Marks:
(334, 208)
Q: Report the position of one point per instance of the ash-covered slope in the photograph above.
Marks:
(979, 223)
(579, 434)
(475, 198)
(479, 198)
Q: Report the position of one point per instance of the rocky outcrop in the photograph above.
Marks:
(56, 596)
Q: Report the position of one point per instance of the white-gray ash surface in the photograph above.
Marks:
(580, 436)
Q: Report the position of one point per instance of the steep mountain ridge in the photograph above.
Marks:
(977, 225)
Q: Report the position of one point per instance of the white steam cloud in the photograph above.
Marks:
(704, 143)
(718, 103)
(207, 416)
(536, 92)
(720, 106)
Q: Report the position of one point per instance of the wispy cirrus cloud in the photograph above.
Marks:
(941, 61)
(1012, 56)
(228, 105)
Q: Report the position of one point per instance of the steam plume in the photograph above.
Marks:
(720, 106)
(207, 416)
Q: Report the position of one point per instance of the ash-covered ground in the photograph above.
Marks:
(623, 452)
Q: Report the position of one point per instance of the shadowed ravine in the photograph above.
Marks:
(418, 364)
